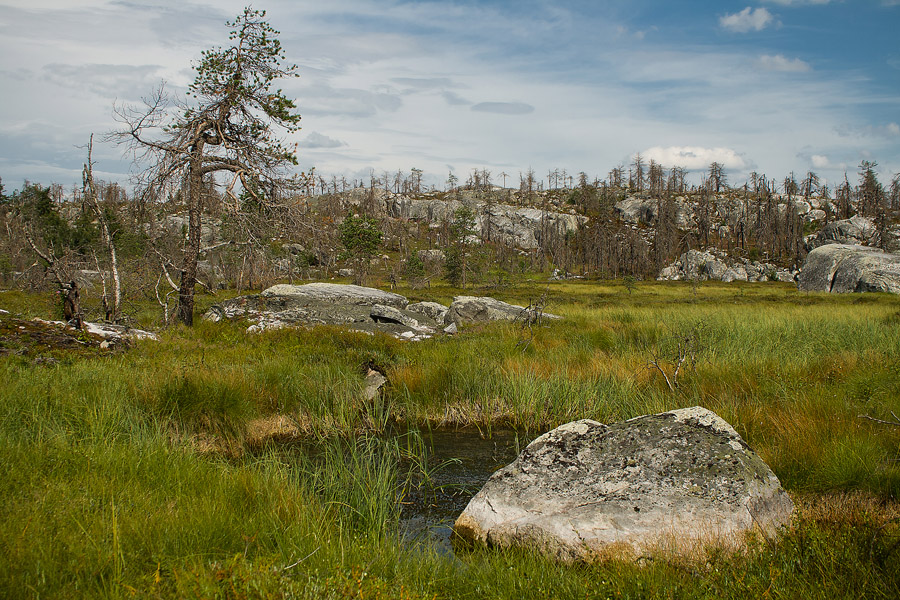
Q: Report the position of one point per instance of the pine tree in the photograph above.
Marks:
(229, 126)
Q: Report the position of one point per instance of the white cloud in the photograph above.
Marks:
(778, 62)
(638, 34)
(694, 157)
(424, 83)
(454, 99)
(823, 162)
(820, 161)
(129, 82)
(317, 140)
(755, 19)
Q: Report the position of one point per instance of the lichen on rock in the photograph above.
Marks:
(672, 482)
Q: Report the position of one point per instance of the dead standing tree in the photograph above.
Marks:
(113, 308)
(229, 127)
(68, 287)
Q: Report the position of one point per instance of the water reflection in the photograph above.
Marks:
(459, 462)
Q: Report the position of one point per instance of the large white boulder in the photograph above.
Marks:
(846, 268)
(673, 482)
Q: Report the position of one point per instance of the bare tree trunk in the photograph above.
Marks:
(90, 193)
(192, 248)
(68, 290)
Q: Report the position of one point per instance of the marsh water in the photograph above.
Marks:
(459, 462)
(439, 471)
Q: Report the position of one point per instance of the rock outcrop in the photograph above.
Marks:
(706, 266)
(856, 230)
(672, 482)
(433, 310)
(337, 293)
(481, 309)
(362, 308)
(644, 211)
(843, 268)
(516, 226)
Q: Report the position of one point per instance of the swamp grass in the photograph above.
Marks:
(108, 490)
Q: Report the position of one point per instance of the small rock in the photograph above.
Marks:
(373, 384)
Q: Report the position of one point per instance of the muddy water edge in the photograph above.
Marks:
(449, 467)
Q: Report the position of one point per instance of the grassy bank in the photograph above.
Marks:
(146, 472)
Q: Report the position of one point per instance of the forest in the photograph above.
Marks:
(250, 242)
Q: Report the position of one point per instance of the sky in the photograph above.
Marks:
(772, 86)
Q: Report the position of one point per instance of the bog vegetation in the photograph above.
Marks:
(156, 471)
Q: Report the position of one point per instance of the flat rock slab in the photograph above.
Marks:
(335, 292)
(843, 268)
(360, 308)
(672, 482)
(481, 309)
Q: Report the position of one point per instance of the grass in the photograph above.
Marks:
(138, 473)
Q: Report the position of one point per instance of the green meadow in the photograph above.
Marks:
(156, 471)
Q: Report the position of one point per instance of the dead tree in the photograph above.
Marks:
(113, 309)
(68, 287)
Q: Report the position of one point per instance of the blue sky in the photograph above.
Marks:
(770, 85)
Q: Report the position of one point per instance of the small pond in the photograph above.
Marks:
(460, 462)
(449, 467)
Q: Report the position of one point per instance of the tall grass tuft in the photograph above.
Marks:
(358, 480)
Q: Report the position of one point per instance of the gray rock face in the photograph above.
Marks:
(335, 292)
(643, 211)
(703, 266)
(855, 230)
(362, 308)
(517, 226)
(693, 264)
(637, 210)
(671, 482)
(715, 269)
(481, 309)
(843, 268)
(735, 273)
(815, 214)
(389, 314)
(365, 309)
(432, 310)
